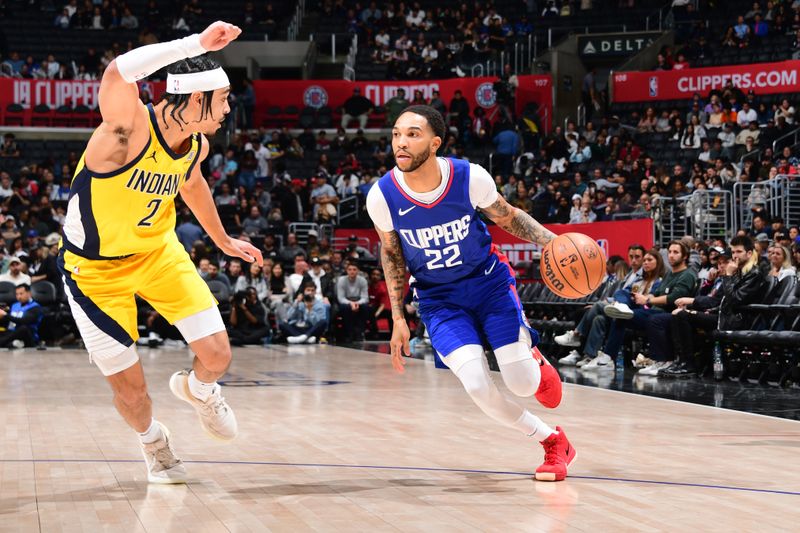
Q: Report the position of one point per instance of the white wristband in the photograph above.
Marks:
(141, 62)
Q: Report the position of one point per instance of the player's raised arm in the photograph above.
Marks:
(517, 222)
(119, 95)
(394, 270)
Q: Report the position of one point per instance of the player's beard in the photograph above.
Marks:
(416, 160)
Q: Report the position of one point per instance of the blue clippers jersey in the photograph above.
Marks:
(443, 241)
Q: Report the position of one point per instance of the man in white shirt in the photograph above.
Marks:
(15, 274)
(746, 115)
(263, 155)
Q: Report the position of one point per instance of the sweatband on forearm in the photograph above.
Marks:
(141, 62)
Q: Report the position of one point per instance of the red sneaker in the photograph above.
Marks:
(549, 393)
(558, 455)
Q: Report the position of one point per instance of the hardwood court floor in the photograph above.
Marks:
(332, 440)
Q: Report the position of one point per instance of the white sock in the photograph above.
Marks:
(200, 389)
(533, 426)
(152, 434)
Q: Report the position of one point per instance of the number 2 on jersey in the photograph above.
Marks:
(153, 205)
(451, 256)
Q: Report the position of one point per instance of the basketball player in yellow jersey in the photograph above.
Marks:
(119, 239)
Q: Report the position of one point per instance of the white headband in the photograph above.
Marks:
(197, 81)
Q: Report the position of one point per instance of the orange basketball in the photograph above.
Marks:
(573, 265)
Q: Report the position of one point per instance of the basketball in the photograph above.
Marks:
(573, 265)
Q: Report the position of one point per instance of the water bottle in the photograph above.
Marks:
(619, 364)
(719, 368)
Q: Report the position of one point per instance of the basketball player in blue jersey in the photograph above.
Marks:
(119, 235)
(425, 212)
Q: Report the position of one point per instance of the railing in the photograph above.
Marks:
(349, 71)
(753, 153)
(794, 134)
(301, 229)
(326, 231)
(297, 20)
(327, 43)
(703, 214)
(792, 197)
(775, 195)
(348, 208)
(523, 54)
(310, 59)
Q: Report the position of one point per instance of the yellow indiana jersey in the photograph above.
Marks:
(130, 210)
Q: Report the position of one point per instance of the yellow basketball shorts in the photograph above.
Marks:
(102, 294)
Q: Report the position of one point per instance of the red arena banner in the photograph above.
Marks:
(613, 237)
(763, 78)
(55, 93)
(333, 93)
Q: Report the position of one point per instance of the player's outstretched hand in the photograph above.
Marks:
(400, 344)
(219, 35)
(242, 249)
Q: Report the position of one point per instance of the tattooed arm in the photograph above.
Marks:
(394, 270)
(517, 222)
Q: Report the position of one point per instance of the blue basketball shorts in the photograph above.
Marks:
(484, 306)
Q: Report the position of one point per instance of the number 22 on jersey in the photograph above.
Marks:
(448, 257)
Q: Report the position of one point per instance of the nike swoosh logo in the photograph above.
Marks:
(487, 272)
(402, 212)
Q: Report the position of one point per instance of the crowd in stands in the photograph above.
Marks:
(127, 26)
(753, 31)
(673, 294)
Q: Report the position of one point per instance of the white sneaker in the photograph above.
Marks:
(311, 340)
(571, 359)
(586, 359)
(569, 338)
(642, 361)
(297, 339)
(18, 344)
(652, 370)
(602, 361)
(618, 310)
(216, 416)
(162, 465)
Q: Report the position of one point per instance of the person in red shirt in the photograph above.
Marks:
(681, 63)
(379, 301)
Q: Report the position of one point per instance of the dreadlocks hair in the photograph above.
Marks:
(179, 102)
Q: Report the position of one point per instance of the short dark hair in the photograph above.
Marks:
(637, 247)
(684, 248)
(434, 118)
(743, 241)
(24, 286)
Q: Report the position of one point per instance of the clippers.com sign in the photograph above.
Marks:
(763, 78)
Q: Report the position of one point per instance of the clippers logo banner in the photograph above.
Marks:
(763, 78)
(55, 93)
(478, 92)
